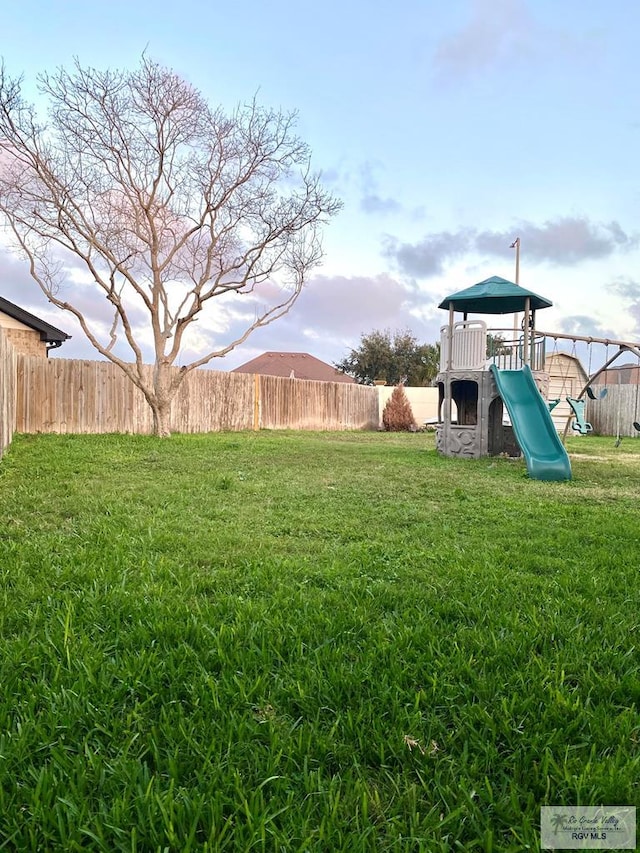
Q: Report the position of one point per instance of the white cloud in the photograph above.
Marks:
(497, 32)
(503, 35)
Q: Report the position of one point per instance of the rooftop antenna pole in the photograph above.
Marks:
(516, 245)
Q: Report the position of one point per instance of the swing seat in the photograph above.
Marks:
(593, 396)
(579, 424)
(553, 403)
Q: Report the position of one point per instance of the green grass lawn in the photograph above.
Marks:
(311, 642)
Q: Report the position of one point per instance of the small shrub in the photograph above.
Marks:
(397, 415)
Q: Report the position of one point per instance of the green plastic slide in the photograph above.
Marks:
(533, 427)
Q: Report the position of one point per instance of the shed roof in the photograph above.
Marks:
(494, 295)
(48, 333)
(554, 367)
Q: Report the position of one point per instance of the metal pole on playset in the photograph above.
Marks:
(525, 339)
(516, 245)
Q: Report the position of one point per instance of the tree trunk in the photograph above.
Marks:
(162, 419)
(161, 400)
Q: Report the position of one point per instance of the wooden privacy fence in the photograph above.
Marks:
(307, 404)
(615, 413)
(64, 395)
(7, 392)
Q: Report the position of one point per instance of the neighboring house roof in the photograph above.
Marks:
(48, 333)
(622, 374)
(293, 365)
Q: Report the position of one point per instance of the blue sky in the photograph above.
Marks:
(446, 129)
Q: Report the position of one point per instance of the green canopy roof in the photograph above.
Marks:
(494, 295)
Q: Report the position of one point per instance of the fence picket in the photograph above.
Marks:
(616, 411)
(7, 393)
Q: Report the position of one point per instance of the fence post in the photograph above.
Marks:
(256, 402)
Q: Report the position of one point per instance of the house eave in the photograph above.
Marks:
(48, 334)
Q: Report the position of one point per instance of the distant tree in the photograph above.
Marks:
(496, 345)
(397, 415)
(164, 203)
(396, 358)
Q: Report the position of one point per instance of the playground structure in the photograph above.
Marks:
(481, 374)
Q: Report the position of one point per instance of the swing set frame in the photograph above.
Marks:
(623, 347)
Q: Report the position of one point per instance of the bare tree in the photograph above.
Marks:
(166, 202)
